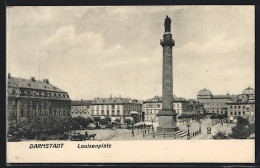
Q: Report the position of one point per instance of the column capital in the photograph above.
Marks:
(167, 42)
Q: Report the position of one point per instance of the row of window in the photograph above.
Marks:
(39, 103)
(153, 111)
(239, 113)
(212, 104)
(80, 107)
(103, 106)
(239, 107)
(159, 105)
(30, 113)
(78, 112)
(40, 93)
(150, 117)
(218, 112)
(113, 112)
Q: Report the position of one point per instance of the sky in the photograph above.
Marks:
(93, 52)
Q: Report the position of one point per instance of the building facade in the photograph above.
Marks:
(81, 108)
(116, 108)
(243, 106)
(32, 98)
(214, 103)
(153, 105)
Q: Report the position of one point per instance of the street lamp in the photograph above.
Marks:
(133, 129)
(200, 125)
(188, 125)
(143, 129)
(152, 128)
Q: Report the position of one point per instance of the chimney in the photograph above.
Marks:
(33, 79)
(46, 81)
(120, 96)
(110, 95)
(9, 75)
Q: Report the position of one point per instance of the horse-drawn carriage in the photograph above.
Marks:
(76, 136)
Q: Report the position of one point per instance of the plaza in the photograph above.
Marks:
(139, 134)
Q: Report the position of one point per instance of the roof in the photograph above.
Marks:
(159, 99)
(32, 84)
(81, 103)
(227, 96)
(115, 100)
(204, 92)
(249, 91)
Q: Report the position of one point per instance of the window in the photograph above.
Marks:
(238, 107)
(243, 113)
(243, 107)
(235, 107)
(231, 113)
(235, 113)
(239, 113)
(231, 107)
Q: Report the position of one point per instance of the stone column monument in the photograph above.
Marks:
(167, 116)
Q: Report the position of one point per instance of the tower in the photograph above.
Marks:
(167, 116)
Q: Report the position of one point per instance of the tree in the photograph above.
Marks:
(179, 117)
(108, 119)
(242, 130)
(117, 120)
(220, 135)
(128, 121)
(103, 121)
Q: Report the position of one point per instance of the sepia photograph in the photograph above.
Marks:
(93, 77)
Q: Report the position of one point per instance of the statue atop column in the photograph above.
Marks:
(167, 24)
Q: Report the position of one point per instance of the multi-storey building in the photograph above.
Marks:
(115, 107)
(153, 105)
(32, 98)
(243, 105)
(214, 103)
(81, 108)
